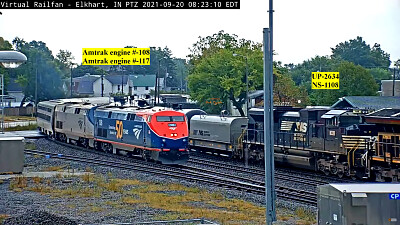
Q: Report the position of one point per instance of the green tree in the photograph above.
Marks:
(360, 53)
(354, 81)
(216, 73)
(42, 63)
(380, 74)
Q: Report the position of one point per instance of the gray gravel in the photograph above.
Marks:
(79, 209)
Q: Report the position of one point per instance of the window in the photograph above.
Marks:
(147, 88)
(135, 88)
(77, 110)
(119, 87)
(170, 119)
(139, 119)
(119, 116)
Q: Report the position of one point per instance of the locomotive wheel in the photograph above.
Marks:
(84, 142)
(340, 173)
(63, 138)
(106, 147)
(145, 156)
(334, 169)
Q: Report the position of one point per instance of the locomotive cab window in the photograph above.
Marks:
(170, 118)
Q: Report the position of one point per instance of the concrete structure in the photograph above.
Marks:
(11, 154)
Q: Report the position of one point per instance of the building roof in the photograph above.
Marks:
(367, 102)
(143, 80)
(13, 86)
(85, 83)
(117, 79)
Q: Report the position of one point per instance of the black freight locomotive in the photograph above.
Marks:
(339, 142)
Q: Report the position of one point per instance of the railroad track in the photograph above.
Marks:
(192, 174)
(280, 173)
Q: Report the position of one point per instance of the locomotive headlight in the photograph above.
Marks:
(163, 140)
(172, 135)
(184, 140)
(176, 135)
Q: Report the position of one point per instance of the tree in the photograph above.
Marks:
(216, 74)
(5, 45)
(42, 63)
(354, 81)
(360, 53)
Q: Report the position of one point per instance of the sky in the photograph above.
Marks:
(302, 29)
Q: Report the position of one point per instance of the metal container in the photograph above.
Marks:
(216, 132)
(11, 155)
(359, 204)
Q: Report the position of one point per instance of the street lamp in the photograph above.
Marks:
(9, 60)
(247, 82)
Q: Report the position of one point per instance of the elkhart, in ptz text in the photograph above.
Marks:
(51, 4)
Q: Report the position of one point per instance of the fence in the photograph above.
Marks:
(19, 111)
(19, 123)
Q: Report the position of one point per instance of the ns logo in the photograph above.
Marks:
(119, 128)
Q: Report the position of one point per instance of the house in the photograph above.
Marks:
(370, 103)
(142, 84)
(83, 86)
(15, 91)
(119, 84)
(91, 85)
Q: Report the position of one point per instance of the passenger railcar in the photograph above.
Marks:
(72, 124)
(46, 114)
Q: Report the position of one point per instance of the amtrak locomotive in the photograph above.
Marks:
(153, 133)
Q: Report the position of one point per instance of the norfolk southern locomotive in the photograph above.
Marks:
(339, 142)
(153, 133)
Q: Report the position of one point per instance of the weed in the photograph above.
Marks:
(19, 128)
(55, 168)
(3, 217)
(37, 180)
(1, 181)
(18, 183)
(87, 177)
(30, 146)
(131, 200)
(96, 209)
(306, 216)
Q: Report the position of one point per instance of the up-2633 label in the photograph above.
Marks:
(325, 80)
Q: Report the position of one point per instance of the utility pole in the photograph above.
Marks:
(394, 79)
(269, 121)
(102, 85)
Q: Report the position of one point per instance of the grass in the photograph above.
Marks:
(18, 183)
(3, 217)
(19, 128)
(55, 168)
(30, 146)
(306, 216)
(176, 200)
(18, 118)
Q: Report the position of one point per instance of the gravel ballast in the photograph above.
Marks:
(26, 205)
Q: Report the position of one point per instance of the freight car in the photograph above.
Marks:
(153, 133)
(217, 134)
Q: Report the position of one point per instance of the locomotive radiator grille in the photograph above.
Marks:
(287, 125)
(350, 142)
